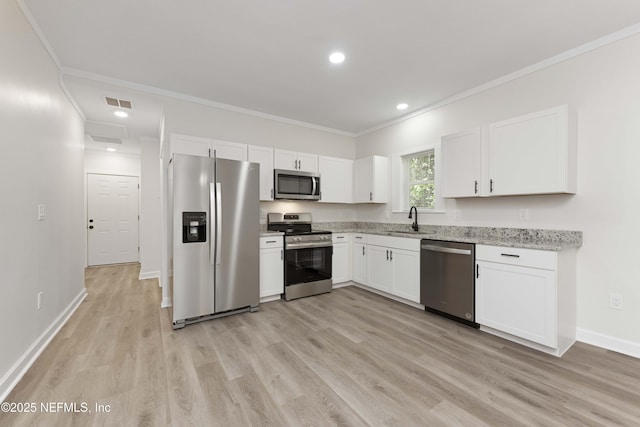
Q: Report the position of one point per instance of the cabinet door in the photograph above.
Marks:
(406, 274)
(518, 300)
(195, 146)
(380, 179)
(308, 162)
(340, 263)
(283, 159)
(380, 268)
(229, 150)
(461, 160)
(271, 272)
(363, 180)
(359, 259)
(530, 154)
(263, 156)
(335, 179)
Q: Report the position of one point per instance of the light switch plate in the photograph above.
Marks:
(41, 213)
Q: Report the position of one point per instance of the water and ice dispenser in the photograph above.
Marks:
(194, 227)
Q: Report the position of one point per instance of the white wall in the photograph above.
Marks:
(41, 136)
(603, 87)
(109, 163)
(150, 213)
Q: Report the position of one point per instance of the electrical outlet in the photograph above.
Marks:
(524, 214)
(615, 301)
(39, 300)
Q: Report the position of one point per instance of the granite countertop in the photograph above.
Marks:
(550, 240)
(265, 233)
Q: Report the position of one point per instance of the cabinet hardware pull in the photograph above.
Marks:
(477, 271)
(272, 193)
(387, 254)
(370, 196)
(299, 164)
(363, 251)
(272, 241)
(390, 255)
(359, 237)
(281, 254)
(490, 186)
(339, 237)
(511, 255)
(476, 187)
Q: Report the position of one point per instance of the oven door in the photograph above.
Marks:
(307, 264)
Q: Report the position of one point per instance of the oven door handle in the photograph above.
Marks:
(307, 245)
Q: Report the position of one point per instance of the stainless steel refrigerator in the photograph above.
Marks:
(215, 243)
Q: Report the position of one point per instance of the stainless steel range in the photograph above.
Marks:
(307, 255)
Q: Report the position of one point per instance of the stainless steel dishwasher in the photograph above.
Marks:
(447, 279)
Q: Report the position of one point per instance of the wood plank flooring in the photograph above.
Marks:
(348, 358)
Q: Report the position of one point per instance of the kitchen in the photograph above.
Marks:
(599, 84)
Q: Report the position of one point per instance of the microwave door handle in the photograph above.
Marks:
(313, 189)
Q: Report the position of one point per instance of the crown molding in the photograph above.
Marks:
(564, 56)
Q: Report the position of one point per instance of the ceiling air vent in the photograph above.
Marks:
(118, 102)
(106, 139)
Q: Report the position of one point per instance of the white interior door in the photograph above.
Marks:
(112, 219)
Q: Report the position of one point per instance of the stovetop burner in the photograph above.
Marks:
(293, 224)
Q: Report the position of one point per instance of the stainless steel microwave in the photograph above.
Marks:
(296, 185)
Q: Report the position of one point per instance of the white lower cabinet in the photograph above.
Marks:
(393, 266)
(271, 266)
(406, 274)
(530, 295)
(341, 261)
(359, 259)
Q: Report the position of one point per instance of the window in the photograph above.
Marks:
(420, 187)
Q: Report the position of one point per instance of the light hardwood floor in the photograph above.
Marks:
(347, 358)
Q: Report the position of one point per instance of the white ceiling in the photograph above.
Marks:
(271, 56)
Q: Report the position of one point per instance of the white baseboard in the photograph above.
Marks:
(629, 348)
(149, 275)
(22, 365)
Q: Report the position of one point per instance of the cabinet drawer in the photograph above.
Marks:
(517, 256)
(409, 244)
(338, 238)
(359, 238)
(271, 242)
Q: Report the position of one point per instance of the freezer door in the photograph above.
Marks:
(192, 284)
(237, 253)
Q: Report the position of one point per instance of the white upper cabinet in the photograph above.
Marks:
(461, 163)
(336, 177)
(193, 145)
(370, 179)
(229, 150)
(292, 160)
(263, 156)
(205, 147)
(533, 154)
(530, 154)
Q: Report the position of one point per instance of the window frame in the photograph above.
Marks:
(406, 159)
(400, 196)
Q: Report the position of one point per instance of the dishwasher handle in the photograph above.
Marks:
(435, 248)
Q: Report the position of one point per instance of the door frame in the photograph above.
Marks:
(86, 206)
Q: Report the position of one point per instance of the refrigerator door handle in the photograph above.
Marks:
(212, 209)
(218, 222)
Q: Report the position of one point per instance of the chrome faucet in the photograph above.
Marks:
(414, 226)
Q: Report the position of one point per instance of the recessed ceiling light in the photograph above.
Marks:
(402, 106)
(337, 57)
(121, 114)
(111, 149)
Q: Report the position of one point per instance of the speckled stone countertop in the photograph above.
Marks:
(550, 240)
(265, 233)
